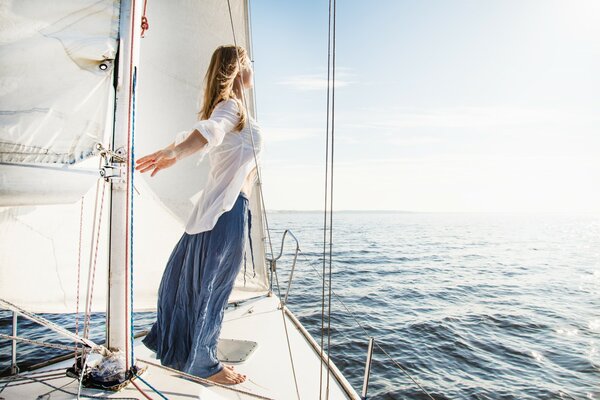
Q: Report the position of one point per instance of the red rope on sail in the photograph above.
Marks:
(145, 24)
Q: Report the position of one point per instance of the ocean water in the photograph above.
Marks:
(471, 306)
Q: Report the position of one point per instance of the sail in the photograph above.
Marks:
(174, 56)
(41, 250)
(56, 68)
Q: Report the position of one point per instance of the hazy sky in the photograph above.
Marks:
(440, 105)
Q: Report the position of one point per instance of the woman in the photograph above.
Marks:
(201, 271)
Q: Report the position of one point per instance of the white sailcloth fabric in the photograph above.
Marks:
(56, 78)
(56, 102)
(175, 54)
(56, 95)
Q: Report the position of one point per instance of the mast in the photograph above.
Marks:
(119, 307)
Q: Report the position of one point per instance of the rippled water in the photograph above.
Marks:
(473, 306)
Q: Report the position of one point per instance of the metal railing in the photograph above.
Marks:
(273, 263)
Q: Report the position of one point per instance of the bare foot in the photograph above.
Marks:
(227, 376)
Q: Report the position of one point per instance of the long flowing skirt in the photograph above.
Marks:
(193, 294)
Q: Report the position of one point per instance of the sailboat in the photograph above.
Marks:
(87, 85)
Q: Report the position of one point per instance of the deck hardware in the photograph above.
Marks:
(363, 395)
(273, 263)
(114, 164)
(14, 368)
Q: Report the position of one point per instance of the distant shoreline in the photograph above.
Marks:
(343, 212)
(435, 212)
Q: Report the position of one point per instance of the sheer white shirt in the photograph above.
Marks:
(232, 163)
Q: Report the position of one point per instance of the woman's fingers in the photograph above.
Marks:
(149, 157)
(155, 171)
(155, 162)
(146, 168)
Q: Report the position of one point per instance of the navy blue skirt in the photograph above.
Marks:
(193, 294)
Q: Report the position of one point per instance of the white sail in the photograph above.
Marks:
(174, 56)
(40, 220)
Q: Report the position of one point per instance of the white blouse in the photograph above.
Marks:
(232, 163)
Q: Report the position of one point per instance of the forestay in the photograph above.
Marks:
(40, 221)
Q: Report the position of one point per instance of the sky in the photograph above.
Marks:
(441, 106)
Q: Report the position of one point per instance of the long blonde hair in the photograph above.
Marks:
(220, 79)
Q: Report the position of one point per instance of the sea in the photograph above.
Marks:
(460, 305)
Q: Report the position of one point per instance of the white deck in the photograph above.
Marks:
(269, 369)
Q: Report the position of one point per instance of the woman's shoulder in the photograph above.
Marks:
(230, 104)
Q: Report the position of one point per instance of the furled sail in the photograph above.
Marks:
(73, 45)
(56, 65)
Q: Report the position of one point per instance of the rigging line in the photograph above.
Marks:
(140, 390)
(21, 375)
(352, 315)
(258, 173)
(129, 167)
(288, 341)
(82, 375)
(132, 187)
(39, 374)
(331, 199)
(93, 260)
(204, 381)
(250, 37)
(38, 343)
(78, 274)
(26, 381)
(89, 277)
(151, 387)
(325, 205)
(49, 324)
(60, 389)
(8, 381)
(264, 210)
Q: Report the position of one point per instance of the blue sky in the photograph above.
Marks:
(440, 105)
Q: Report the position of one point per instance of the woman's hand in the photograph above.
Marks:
(156, 161)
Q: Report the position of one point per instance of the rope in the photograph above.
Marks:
(92, 277)
(151, 387)
(259, 178)
(145, 25)
(197, 379)
(288, 340)
(27, 381)
(37, 343)
(51, 325)
(85, 360)
(258, 173)
(140, 390)
(78, 274)
(132, 172)
(60, 389)
(129, 180)
(328, 184)
(331, 202)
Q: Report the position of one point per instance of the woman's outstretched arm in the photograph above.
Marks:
(205, 135)
(168, 156)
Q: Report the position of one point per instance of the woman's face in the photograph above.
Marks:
(247, 74)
